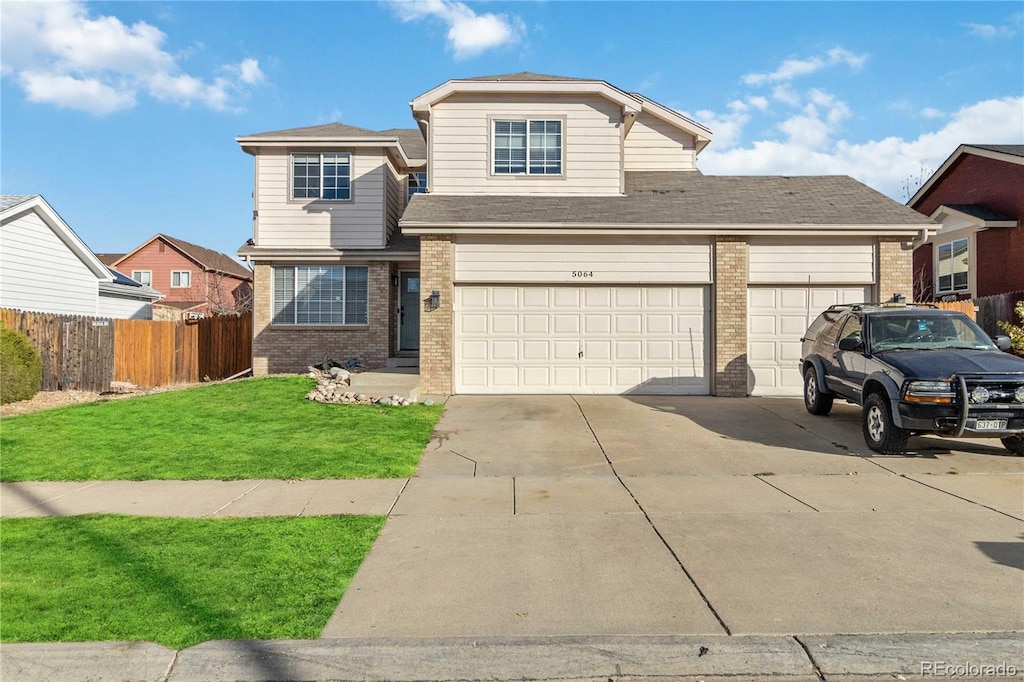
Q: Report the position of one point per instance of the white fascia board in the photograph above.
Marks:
(125, 291)
(672, 117)
(663, 229)
(40, 207)
(251, 144)
(960, 151)
(424, 102)
(286, 255)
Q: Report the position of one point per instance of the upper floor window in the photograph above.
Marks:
(181, 279)
(952, 266)
(530, 147)
(143, 277)
(321, 294)
(417, 183)
(322, 176)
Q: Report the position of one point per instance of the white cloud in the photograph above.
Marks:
(469, 33)
(991, 31)
(786, 94)
(62, 55)
(794, 68)
(883, 164)
(930, 112)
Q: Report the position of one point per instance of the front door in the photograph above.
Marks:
(409, 311)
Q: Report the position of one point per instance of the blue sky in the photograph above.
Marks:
(123, 114)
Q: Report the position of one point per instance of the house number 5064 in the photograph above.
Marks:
(582, 273)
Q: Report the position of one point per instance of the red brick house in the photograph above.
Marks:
(197, 280)
(977, 196)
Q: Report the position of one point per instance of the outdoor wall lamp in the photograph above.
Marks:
(434, 300)
(394, 280)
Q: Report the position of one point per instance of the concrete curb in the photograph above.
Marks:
(966, 656)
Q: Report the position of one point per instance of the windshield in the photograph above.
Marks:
(925, 332)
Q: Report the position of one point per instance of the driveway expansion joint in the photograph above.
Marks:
(775, 487)
(965, 499)
(810, 657)
(246, 492)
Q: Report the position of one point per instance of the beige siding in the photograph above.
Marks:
(123, 307)
(283, 221)
(654, 145)
(823, 261)
(38, 271)
(394, 198)
(461, 145)
(582, 261)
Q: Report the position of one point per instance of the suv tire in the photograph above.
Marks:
(1014, 444)
(880, 433)
(815, 400)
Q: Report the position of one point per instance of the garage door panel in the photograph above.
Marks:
(585, 339)
(777, 317)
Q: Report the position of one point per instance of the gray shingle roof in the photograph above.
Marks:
(9, 200)
(1015, 149)
(525, 76)
(208, 258)
(411, 138)
(661, 198)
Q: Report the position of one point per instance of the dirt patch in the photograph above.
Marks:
(48, 400)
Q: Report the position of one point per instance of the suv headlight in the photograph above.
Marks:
(939, 392)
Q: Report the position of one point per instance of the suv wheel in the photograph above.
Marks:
(815, 401)
(880, 433)
(1014, 444)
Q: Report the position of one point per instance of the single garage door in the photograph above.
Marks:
(582, 339)
(778, 317)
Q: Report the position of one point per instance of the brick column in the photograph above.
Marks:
(261, 288)
(895, 268)
(730, 317)
(436, 325)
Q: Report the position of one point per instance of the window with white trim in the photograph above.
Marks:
(417, 183)
(322, 176)
(952, 267)
(320, 294)
(527, 147)
(143, 277)
(181, 279)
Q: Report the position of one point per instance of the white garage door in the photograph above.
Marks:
(581, 339)
(777, 318)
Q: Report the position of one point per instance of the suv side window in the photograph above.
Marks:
(828, 336)
(826, 318)
(853, 329)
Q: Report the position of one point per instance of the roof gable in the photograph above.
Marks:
(207, 259)
(1008, 153)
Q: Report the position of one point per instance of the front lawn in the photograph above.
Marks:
(176, 582)
(258, 428)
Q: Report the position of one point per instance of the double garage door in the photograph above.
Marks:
(582, 339)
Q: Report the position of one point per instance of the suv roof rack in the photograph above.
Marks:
(885, 304)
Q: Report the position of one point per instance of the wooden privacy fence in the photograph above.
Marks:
(88, 353)
(993, 309)
(965, 307)
(77, 352)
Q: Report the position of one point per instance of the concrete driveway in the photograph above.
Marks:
(560, 515)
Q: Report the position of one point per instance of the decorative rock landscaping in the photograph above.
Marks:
(332, 385)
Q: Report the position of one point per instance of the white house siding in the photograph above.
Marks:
(460, 133)
(38, 272)
(297, 223)
(579, 260)
(122, 307)
(822, 260)
(654, 145)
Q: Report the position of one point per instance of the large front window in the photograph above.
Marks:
(530, 147)
(953, 266)
(320, 294)
(322, 176)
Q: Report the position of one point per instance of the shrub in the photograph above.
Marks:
(1015, 331)
(21, 370)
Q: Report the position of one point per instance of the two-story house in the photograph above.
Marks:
(567, 243)
(199, 281)
(977, 196)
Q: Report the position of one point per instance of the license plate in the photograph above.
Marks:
(990, 425)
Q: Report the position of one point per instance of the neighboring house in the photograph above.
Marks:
(197, 280)
(567, 243)
(45, 267)
(977, 196)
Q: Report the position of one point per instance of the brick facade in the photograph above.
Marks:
(436, 253)
(291, 348)
(895, 268)
(730, 312)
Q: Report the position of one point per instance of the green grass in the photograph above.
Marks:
(259, 428)
(176, 582)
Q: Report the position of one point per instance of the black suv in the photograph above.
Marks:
(914, 369)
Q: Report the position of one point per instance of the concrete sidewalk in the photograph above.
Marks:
(608, 538)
